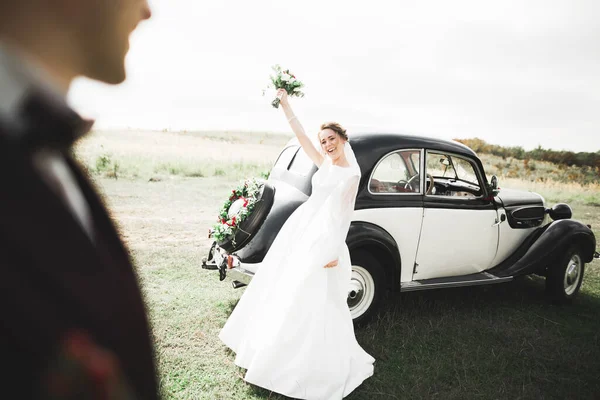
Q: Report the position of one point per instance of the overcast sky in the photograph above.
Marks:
(521, 73)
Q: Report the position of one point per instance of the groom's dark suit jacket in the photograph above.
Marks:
(54, 279)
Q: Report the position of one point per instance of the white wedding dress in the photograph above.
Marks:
(292, 329)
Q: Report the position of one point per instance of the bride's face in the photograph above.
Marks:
(332, 143)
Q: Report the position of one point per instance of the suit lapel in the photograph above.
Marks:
(35, 214)
(55, 249)
(104, 226)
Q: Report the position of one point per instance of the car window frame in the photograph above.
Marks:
(421, 166)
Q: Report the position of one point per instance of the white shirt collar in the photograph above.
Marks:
(19, 75)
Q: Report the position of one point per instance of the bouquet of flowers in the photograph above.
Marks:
(284, 79)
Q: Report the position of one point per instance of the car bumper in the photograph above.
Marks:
(240, 275)
(217, 260)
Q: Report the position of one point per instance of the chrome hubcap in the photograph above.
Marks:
(572, 274)
(361, 291)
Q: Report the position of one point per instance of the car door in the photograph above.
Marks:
(459, 234)
(393, 201)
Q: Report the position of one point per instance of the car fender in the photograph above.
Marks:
(365, 235)
(545, 245)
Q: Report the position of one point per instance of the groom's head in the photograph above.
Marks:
(83, 37)
(105, 27)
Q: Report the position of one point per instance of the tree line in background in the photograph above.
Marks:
(537, 165)
(567, 158)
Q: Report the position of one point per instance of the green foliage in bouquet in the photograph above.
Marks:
(284, 79)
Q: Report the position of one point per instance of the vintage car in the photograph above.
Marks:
(426, 217)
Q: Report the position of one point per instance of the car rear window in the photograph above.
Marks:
(283, 162)
(301, 164)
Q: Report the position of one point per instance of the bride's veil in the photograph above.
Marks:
(351, 158)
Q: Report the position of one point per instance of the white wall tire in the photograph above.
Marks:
(565, 277)
(366, 287)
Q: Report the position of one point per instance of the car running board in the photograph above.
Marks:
(482, 278)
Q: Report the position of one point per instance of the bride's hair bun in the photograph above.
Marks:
(337, 128)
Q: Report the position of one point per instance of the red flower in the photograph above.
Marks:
(245, 202)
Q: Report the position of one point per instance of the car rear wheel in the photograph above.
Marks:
(366, 286)
(564, 278)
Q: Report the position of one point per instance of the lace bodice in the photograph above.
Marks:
(327, 178)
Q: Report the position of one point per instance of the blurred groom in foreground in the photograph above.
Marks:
(74, 323)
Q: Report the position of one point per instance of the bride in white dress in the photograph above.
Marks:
(292, 329)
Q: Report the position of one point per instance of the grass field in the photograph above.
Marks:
(496, 342)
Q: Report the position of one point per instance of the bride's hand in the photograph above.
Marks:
(283, 97)
(332, 264)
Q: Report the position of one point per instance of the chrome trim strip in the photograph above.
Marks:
(414, 286)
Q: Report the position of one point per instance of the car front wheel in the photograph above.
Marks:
(366, 287)
(564, 278)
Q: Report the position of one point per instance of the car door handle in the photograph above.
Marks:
(502, 219)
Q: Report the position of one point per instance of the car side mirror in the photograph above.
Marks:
(494, 182)
(493, 188)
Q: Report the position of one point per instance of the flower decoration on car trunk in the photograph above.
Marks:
(284, 79)
(236, 209)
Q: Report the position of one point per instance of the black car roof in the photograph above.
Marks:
(369, 147)
(379, 143)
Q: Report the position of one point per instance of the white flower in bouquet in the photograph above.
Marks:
(284, 79)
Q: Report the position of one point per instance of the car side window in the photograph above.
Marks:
(451, 176)
(465, 171)
(440, 166)
(284, 159)
(397, 172)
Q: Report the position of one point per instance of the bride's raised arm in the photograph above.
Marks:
(307, 145)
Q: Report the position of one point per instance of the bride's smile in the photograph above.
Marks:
(332, 144)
